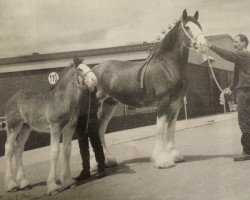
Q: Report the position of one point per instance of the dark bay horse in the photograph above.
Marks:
(55, 112)
(164, 82)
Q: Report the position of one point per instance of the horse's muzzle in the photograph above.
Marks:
(91, 81)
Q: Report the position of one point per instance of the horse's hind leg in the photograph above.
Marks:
(107, 112)
(21, 140)
(12, 133)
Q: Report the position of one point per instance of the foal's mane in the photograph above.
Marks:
(66, 73)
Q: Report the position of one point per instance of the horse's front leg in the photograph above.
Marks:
(165, 155)
(175, 154)
(54, 153)
(65, 178)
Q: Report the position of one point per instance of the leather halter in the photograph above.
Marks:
(83, 77)
(192, 40)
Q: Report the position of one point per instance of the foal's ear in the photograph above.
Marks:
(196, 15)
(77, 62)
(184, 15)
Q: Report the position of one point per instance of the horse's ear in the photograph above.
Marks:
(77, 61)
(196, 15)
(184, 15)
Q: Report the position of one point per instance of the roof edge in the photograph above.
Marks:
(36, 57)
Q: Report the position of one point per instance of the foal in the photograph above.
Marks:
(55, 112)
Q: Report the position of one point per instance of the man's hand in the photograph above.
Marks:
(227, 91)
(222, 95)
(205, 47)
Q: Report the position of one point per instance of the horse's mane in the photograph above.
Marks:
(66, 72)
(169, 40)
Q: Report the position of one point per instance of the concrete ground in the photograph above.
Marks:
(209, 172)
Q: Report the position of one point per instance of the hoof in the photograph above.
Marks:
(65, 187)
(53, 189)
(12, 186)
(164, 165)
(179, 160)
(24, 184)
(68, 183)
(177, 157)
(110, 162)
(163, 160)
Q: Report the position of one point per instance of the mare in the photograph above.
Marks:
(55, 112)
(164, 82)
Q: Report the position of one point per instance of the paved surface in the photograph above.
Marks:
(209, 172)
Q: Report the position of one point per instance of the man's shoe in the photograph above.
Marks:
(83, 176)
(242, 157)
(100, 174)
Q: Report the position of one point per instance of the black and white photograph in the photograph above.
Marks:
(124, 100)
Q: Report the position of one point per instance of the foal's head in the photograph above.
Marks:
(85, 75)
(191, 31)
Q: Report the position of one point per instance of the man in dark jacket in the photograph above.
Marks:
(241, 86)
(88, 128)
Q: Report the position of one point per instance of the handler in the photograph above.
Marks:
(241, 86)
(88, 127)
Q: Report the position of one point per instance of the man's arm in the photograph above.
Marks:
(231, 56)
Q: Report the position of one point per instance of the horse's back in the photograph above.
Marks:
(115, 66)
(118, 73)
(121, 80)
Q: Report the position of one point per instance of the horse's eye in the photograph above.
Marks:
(187, 28)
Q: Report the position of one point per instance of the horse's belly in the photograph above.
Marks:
(38, 124)
(134, 99)
(41, 129)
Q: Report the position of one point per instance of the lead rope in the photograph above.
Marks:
(209, 64)
(218, 85)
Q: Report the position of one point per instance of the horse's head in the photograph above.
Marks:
(85, 75)
(191, 31)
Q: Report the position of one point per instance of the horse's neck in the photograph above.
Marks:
(67, 89)
(172, 47)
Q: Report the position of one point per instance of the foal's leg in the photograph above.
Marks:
(54, 153)
(107, 112)
(65, 178)
(21, 140)
(10, 182)
(165, 154)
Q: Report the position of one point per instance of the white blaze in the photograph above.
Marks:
(197, 34)
(85, 69)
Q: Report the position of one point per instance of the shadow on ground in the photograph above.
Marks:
(193, 158)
